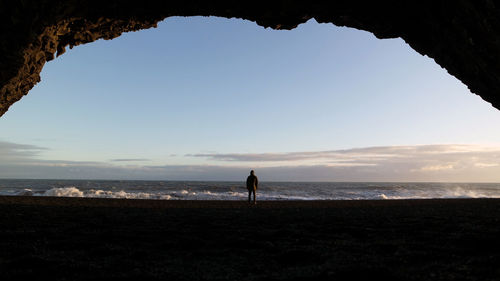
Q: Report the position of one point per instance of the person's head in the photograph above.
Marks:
(252, 172)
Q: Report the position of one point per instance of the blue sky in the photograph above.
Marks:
(195, 92)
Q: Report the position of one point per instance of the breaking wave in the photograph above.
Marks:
(163, 190)
(72, 191)
(456, 192)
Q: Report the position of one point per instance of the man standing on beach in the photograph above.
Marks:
(252, 185)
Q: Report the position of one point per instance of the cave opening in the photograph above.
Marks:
(195, 90)
(334, 121)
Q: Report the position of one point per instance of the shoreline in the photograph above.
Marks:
(159, 203)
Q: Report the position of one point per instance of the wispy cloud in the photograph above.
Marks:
(442, 162)
(448, 162)
(129, 160)
(486, 165)
(369, 156)
(12, 151)
(346, 157)
(434, 168)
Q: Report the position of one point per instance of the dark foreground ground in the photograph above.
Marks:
(86, 239)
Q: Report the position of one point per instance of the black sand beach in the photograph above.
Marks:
(120, 239)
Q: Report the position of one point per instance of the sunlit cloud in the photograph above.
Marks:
(452, 163)
(335, 164)
(370, 156)
(129, 160)
(433, 168)
(486, 165)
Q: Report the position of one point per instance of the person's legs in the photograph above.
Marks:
(253, 196)
(249, 195)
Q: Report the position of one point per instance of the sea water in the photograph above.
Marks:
(213, 190)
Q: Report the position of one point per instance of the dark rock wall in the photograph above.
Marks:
(462, 36)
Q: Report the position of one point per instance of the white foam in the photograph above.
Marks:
(456, 192)
(92, 193)
(408, 192)
(459, 192)
(25, 192)
(70, 191)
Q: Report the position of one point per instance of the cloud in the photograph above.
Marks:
(25, 154)
(446, 162)
(129, 160)
(12, 151)
(486, 165)
(442, 162)
(340, 155)
(437, 167)
(368, 156)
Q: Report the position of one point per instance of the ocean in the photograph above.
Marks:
(214, 190)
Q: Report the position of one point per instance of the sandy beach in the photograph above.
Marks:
(120, 239)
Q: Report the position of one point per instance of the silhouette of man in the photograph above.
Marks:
(252, 185)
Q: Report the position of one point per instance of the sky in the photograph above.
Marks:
(206, 98)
